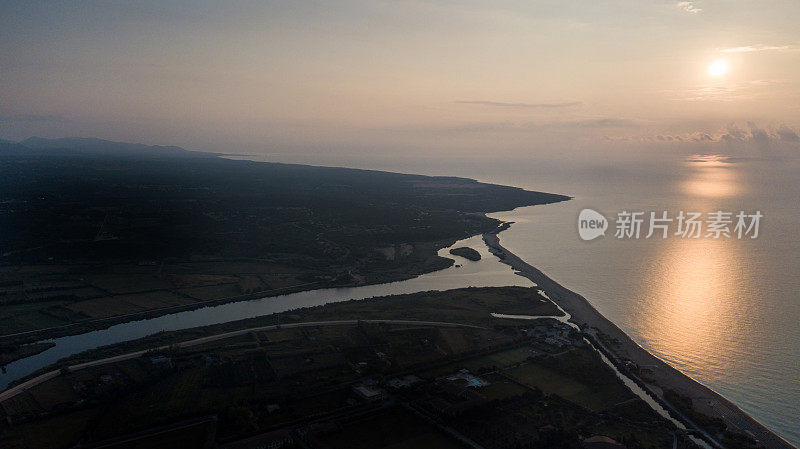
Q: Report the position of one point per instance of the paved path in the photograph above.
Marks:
(13, 391)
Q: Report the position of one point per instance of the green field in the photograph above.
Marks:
(213, 291)
(123, 304)
(499, 360)
(576, 376)
(43, 314)
(500, 388)
(128, 283)
(395, 429)
(54, 392)
(467, 305)
(54, 431)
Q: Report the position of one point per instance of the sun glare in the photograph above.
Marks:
(718, 67)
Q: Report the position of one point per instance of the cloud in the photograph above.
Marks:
(523, 105)
(714, 93)
(731, 134)
(758, 135)
(787, 134)
(688, 7)
(755, 48)
(587, 125)
(730, 92)
(734, 134)
(31, 118)
(599, 123)
(702, 137)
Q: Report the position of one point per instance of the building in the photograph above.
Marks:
(465, 378)
(404, 382)
(455, 397)
(368, 393)
(601, 442)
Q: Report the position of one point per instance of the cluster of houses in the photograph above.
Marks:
(558, 335)
(455, 395)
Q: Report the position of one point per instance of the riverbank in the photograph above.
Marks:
(30, 383)
(662, 375)
(432, 264)
(488, 272)
(8, 355)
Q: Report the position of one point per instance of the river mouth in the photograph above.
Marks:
(486, 272)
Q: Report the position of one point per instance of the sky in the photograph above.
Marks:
(526, 78)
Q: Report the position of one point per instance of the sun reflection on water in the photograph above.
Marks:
(690, 284)
(712, 177)
(691, 288)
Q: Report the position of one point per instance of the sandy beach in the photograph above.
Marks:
(663, 376)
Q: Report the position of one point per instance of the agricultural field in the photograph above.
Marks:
(212, 291)
(466, 305)
(261, 380)
(300, 363)
(128, 283)
(501, 388)
(577, 375)
(49, 297)
(394, 428)
(129, 303)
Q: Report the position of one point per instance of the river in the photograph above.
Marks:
(487, 272)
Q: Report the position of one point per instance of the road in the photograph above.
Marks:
(13, 391)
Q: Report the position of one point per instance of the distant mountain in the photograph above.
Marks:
(8, 147)
(97, 147)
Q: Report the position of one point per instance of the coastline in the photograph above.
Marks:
(623, 349)
(663, 375)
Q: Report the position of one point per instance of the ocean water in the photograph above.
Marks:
(724, 311)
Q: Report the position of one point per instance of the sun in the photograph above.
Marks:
(718, 68)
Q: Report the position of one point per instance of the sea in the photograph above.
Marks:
(725, 311)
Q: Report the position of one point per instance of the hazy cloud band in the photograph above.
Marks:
(523, 105)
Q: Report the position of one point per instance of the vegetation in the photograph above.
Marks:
(11, 353)
(505, 384)
(684, 404)
(467, 305)
(93, 230)
(467, 253)
(596, 390)
(396, 428)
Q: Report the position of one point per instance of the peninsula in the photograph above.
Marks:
(96, 233)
